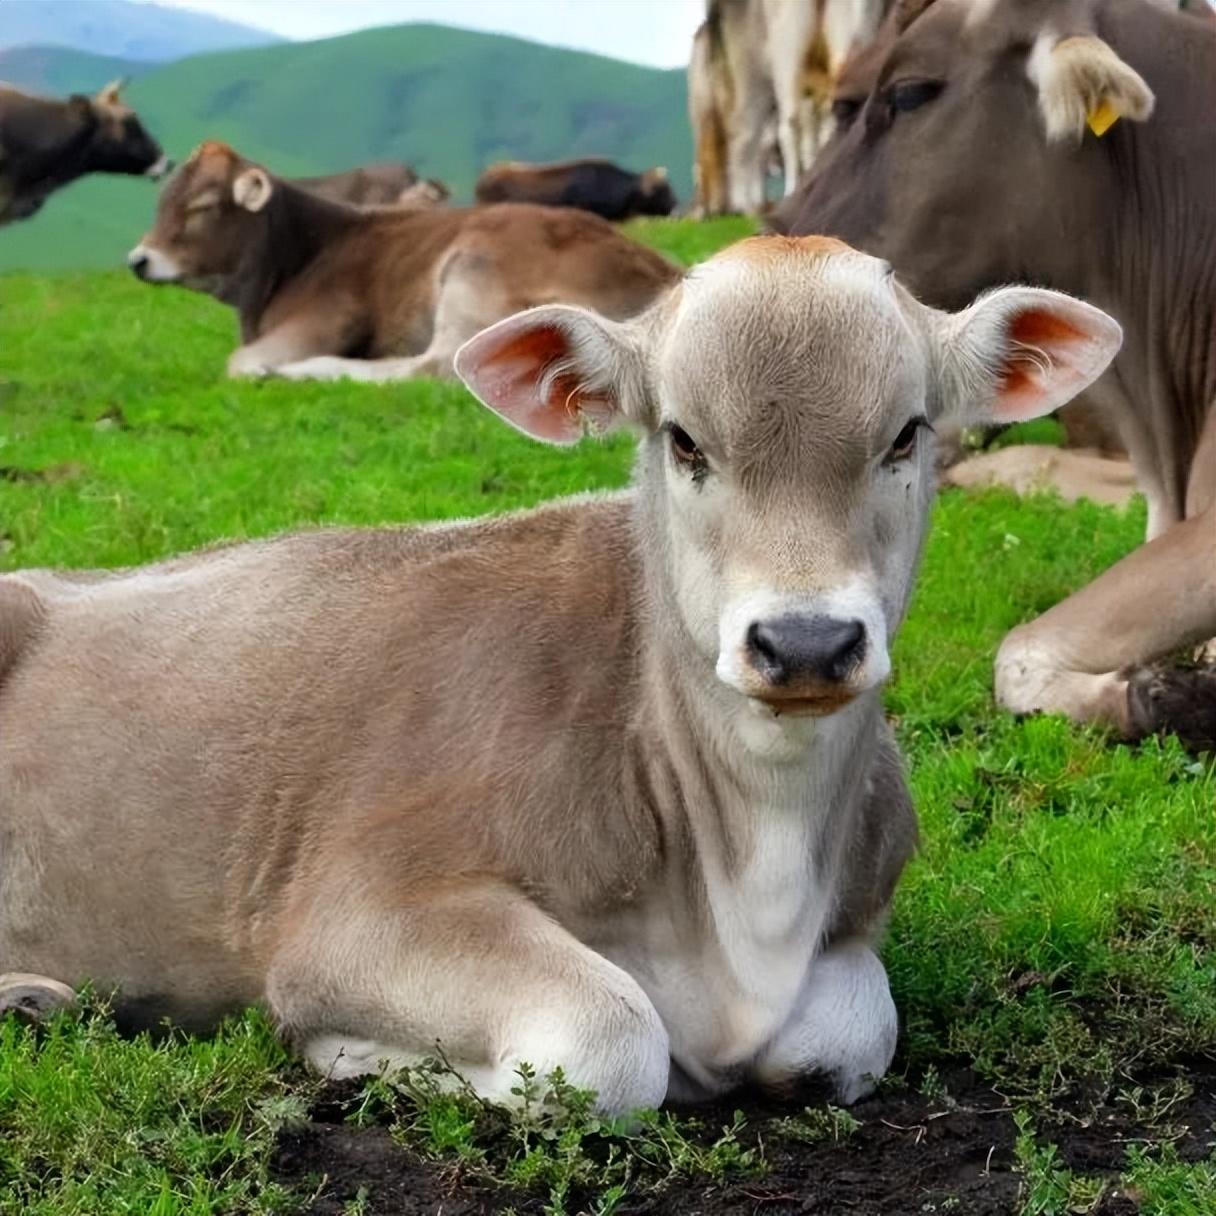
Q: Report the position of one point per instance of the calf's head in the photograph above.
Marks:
(210, 214)
(973, 141)
(119, 142)
(786, 393)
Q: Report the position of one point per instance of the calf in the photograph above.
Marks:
(604, 785)
(45, 144)
(327, 290)
(1061, 143)
(594, 185)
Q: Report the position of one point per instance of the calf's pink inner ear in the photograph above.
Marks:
(513, 374)
(1047, 361)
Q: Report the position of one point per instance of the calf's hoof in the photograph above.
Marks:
(1168, 700)
(33, 997)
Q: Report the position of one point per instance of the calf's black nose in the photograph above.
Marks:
(794, 647)
(139, 264)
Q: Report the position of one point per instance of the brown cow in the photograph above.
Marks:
(368, 185)
(327, 290)
(1069, 144)
(604, 785)
(591, 184)
(46, 143)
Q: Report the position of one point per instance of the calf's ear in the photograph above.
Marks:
(555, 371)
(1021, 352)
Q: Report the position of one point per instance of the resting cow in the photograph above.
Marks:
(367, 186)
(1071, 145)
(593, 184)
(328, 290)
(604, 785)
(45, 144)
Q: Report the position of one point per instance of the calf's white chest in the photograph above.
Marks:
(727, 975)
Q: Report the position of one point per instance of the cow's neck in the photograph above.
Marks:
(1151, 263)
(62, 155)
(297, 227)
(754, 803)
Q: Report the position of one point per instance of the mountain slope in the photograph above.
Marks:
(449, 101)
(58, 70)
(122, 29)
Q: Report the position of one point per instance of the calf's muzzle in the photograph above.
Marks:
(796, 650)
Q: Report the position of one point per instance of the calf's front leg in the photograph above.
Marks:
(844, 1027)
(482, 975)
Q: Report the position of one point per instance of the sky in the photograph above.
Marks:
(656, 32)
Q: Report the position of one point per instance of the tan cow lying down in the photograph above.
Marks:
(605, 784)
(327, 290)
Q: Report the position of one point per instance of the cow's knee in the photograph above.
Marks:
(845, 1027)
(1031, 678)
(1024, 672)
(33, 997)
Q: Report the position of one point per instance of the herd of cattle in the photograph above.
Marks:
(607, 784)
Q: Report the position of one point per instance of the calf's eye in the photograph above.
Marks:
(685, 451)
(912, 94)
(905, 441)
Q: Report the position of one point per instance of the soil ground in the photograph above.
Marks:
(911, 1155)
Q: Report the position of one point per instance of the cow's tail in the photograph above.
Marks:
(22, 617)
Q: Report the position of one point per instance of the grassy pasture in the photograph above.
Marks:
(1053, 947)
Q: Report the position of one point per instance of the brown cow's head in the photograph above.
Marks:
(208, 214)
(119, 142)
(967, 140)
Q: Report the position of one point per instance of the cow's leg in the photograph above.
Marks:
(789, 140)
(845, 1027)
(33, 997)
(293, 340)
(746, 151)
(1074, 658)
(471, 297)
(482, 976)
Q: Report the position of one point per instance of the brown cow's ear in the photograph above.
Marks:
(553, 372)
(1083, 83)
(1021, 352)
(252, 188)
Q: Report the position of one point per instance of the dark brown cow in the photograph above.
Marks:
(593, 184)
(1067, 144)
(46, 143)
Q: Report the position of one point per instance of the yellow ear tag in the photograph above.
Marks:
(1102, 117)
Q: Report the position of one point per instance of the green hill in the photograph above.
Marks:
(59, 70)
(448, 101)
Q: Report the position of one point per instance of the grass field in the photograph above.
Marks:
(1052, 951)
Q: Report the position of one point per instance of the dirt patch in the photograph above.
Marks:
(910, 1155)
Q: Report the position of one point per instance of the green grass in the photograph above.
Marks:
(448, 101)
(1056, 932)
